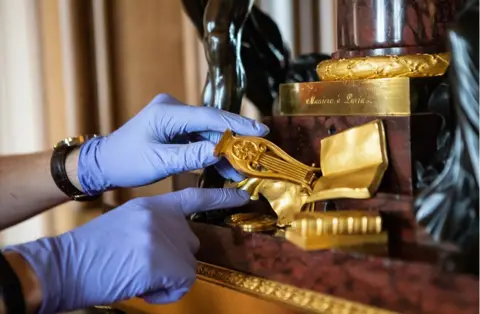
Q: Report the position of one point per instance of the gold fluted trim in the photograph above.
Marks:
(309, 301)
(417, 65)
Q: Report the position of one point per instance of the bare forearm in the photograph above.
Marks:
(27, 187)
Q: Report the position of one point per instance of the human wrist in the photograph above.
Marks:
(71, 167)
(28, 279)
(89, 171)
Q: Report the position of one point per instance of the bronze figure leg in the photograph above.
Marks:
(226, 82)
(225, 85)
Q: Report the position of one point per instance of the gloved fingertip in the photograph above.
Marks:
(211, 136)
(262, 128)
(227, 171)
(243, 194)
(235, 198)
(167, 296)
(235, 176)
(178, 294)
(207, 156)
(210, 160)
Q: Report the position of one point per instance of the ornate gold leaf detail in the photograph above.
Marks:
(258, 157)
(306, 300)
(245, 150)
(418, 65)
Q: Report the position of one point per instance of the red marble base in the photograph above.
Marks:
(406, 241)
(412, 287)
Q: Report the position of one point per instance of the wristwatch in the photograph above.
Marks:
(58, 171)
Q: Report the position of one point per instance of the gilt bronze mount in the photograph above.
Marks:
(398, 96)
(353, 163)
(337, 229)
(258, 157)
(285, 198)
(252, 222)
(374, 67)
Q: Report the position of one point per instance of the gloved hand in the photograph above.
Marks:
(165, 138)
(143, 248)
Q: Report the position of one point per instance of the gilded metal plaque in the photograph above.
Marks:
(377, 97)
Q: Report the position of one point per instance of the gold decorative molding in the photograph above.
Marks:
(305, 300)
(344, 229)
(417, 65)
(308, 301)
(338, 222)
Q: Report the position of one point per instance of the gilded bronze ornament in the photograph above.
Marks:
(346, 222)
(252, 222)
(285, 198)
(258, 157)
(304, 300)
(379, 97)
(374, 67)
(353, 164)
(336, 229)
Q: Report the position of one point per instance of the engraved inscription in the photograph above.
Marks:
(349, 98)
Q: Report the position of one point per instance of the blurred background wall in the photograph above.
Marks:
(22, 110)
(70, 67)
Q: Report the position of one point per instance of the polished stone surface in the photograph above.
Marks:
(393, 27)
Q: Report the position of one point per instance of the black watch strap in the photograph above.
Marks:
(11, 289)
(60, 176)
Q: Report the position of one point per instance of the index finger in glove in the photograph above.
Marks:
(182, 119)
(195, 200)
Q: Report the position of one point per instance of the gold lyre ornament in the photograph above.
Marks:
(257, 157)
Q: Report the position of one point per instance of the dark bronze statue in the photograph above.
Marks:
(239, 59)
(220, 24)
(449, 207)
(246, 55)
(266, 60)
(222, 35)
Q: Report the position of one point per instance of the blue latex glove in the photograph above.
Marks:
(165, 138)
(143, 248)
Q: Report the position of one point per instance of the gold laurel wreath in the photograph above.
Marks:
(417, 65)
